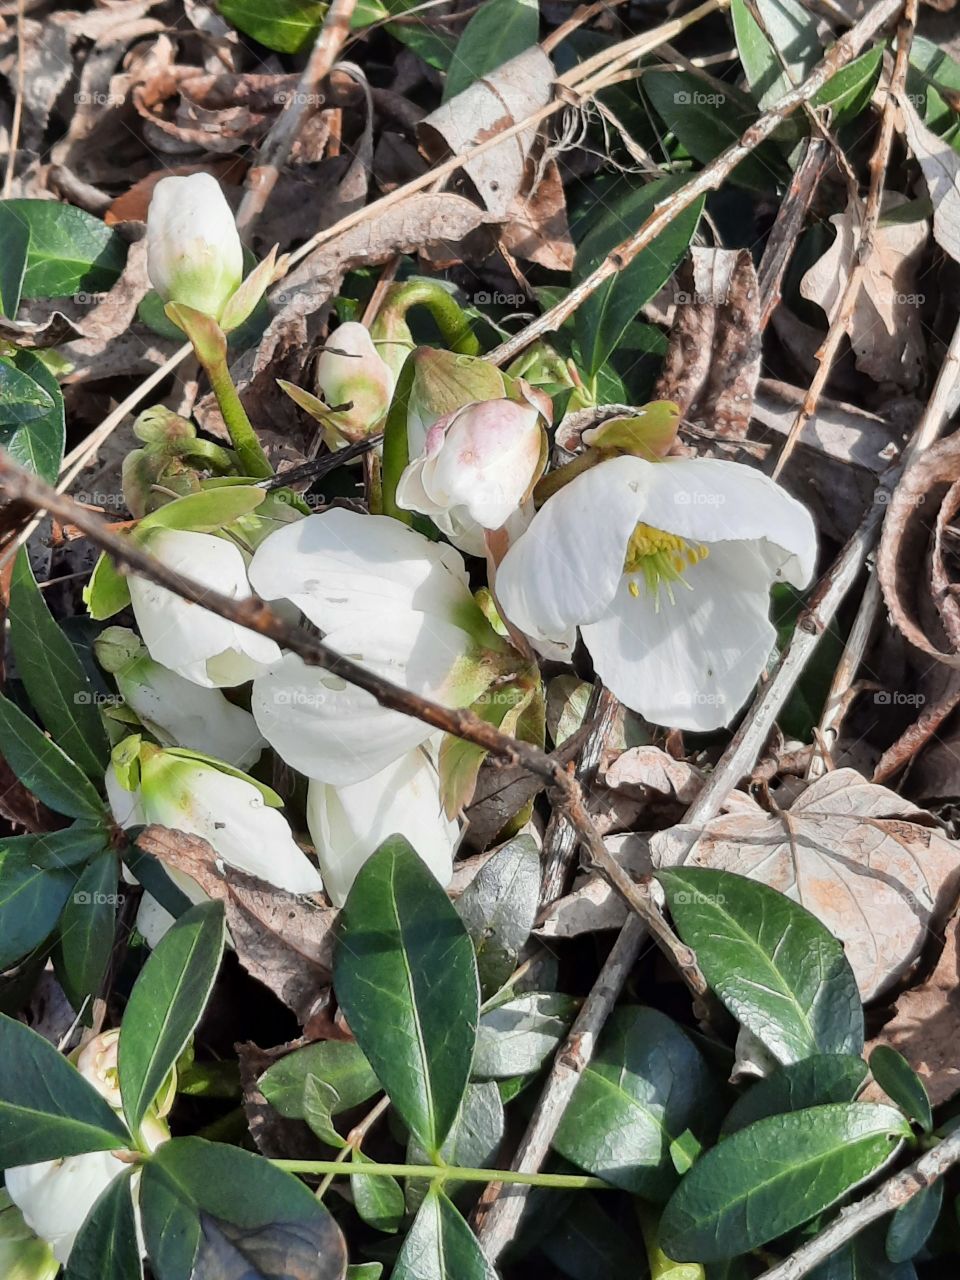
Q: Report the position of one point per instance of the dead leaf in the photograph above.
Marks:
(885, 326)
(283, 940)
(592, 905)
(277, 1137)
(51, 332)
(713, 358)
(536, 228)
(926, 1027)
(941, 171)
(863, 860)
(648, 770)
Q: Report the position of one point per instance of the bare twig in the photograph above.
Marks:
(17, 120)
(896, 1191)
(786, 227)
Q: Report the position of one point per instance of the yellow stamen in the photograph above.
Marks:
(661, 559)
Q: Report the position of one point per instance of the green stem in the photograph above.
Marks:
(253, 461)
(453, 323)
(444, 1173)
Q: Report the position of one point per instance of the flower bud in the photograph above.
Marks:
(355, 383)
(444, 382)
(477, 468)
(194, 255)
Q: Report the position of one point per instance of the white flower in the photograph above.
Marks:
(348, 824)
(56, 1196)
(23, 1255)
(194, 255)
(386, 597)
(666, 568)
(350, 371)
(477, 467)
(176, 711)
(186, 638)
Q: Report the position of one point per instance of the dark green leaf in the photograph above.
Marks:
(517, 1037)
(319, 1101)
(171, 1225)
(499, 907)
(774, 1175)
(848, 92)
(35, 440)
(47, 1109)
(20, 395)
(645, 1085)
(406, 978)
(778, 970)
(43, 767)
(88, 927)
(902, 1085)
(284, 25)
(704, 125)
(863, 1259)
(588, 1244)
(440, 1246)
(60, 850)
(14, 246)
(601, 320)
(378, 1200)
(70, 252)
(165, 1005)
(472, 1143)
(826, 1077)
(431, 42)
(497, 32)
(339, 1064)
(106, 1247)
(53, 675)
(911, 1225)
(31, 899)
(793, 40)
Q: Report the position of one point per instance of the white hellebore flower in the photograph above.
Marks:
(351, 372)
(350, 823)
(477, 467)
(194, 255)
(388, 598)
(666, 568)
(186, 638)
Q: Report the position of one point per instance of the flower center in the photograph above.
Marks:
(661, 559)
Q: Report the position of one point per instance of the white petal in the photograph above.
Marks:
(55, 1196)
(342, 565)
(348, 824)
(692, 664)
(231, 815)
(153, 920)
(125, 805)
(194, 254)
(566, 568)
(187, 638)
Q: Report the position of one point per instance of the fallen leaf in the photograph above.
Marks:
(536, 228)
(941, 171)
(283, 940)
(885, 326)
(649, 772)
(592, 905)
(863, 860)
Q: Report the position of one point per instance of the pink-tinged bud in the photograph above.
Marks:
(444, 382)
(194, 255)
(476, 470)
(355, 383)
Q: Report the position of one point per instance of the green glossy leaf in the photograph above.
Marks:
(902, 1085)
(645, 1085)
(826, 1077)
(47, 1109)
(586, 1243)
(433, 43)
(604, 316)
(165, 1005)
(171, 1225)
(339, 1064)
(472, 1143)
(378, 1200)
(793, 40)
(912, 1224)
(14, 246)
(778, 970)
(365, 1271)
(284, 25)
(43, 767)
(106, 1247)
(60, 850)
(88, 927)
(440, 1246)
(497, 32)
(69, 252)
(319, 1101)
(31, 900)
(35, 439)
(499, 907)
(863, 1258)
(406, 978)
(107, 592)
(849, 91)
(20, 394)
(705, 126)
(518, 1036)
(53, 676)
(775, 1175)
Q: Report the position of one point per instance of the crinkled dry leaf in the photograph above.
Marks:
(941, 171)
(855, 854)
(592, 905)
(649, 771)
(283, 940)
(885, 328)
(536, 227)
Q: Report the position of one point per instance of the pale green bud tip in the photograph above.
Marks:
(116, 648)
(23, 1255)
(194, 255)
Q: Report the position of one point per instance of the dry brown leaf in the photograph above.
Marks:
(855, 854)
(536, 227)
(283, 940)
(713, 358)
(51, 332)
(592, 905)
(651, 773)
(885, 327)
(911, 564)
(926, 1027)
(941, 172)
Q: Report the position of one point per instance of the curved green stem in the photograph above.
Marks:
(444, 1173)
(453, 323)
(253, 461)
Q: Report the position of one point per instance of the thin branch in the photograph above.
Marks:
(17, 120)
(896, 1191)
